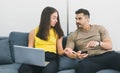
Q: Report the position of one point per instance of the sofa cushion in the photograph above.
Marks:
(5, 53)
(2, 38)
(8, 71)
(67, 63)
(67, 71)
(108, 71)
(10, 68)
(18, 38)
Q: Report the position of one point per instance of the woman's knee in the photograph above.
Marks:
(51, 68)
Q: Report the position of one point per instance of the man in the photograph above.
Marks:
(93, 44)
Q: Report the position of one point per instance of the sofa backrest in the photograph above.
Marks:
(18, 38)
(64, 41)
(21, 38)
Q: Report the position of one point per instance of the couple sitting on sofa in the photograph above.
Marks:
(92, 42)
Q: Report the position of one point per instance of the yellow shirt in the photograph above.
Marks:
(47, 45)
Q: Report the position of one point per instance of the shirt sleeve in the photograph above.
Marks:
(104, 33)
(70, 41)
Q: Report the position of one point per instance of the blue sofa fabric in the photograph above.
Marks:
(9, 68)
(5, 52)
(18, 38)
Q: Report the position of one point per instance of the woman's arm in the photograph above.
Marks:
(31, 39)
(59, 46)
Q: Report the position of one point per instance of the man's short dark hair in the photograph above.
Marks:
(84, 11)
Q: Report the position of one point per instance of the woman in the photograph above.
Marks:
(48, 35)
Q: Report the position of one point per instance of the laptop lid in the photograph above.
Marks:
(31, 56)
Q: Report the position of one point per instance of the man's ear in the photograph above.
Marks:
(86, 16)
(88, 19)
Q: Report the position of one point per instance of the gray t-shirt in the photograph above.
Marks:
(79, 39)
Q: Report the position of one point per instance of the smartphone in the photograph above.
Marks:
(84, 52)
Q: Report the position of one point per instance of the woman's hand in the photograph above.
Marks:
(70, 53)
(81, 55)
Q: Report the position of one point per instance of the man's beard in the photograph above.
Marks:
(78, 25)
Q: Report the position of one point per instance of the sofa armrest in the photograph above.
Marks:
(118, 51)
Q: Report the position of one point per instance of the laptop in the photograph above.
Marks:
(31, 56)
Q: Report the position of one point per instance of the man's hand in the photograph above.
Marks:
(81, 55)
(92, 44)
(70, 53)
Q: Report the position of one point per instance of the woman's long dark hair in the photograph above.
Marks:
(44, 25)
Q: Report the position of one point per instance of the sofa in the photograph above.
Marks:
(7, 60)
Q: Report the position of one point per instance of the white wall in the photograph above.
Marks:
(103, 12)
(24, 15)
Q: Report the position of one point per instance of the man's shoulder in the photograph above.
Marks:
(97, 26)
